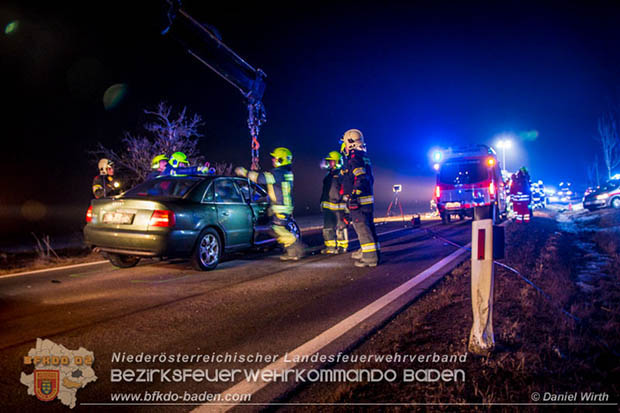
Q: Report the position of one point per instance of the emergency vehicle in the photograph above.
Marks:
(605, 196)
(468, 177)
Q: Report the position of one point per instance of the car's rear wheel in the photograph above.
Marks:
(615, 202)
(121, 260)
(208, 250)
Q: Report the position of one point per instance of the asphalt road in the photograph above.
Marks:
(252, 303)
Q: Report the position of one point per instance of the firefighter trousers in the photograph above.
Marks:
(364, 226)
(334, 230)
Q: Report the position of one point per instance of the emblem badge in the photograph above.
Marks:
(46, 384)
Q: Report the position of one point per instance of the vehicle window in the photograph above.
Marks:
(225, 191)
(162, 187)
(463, 172)
(209, 195)
(250, 194)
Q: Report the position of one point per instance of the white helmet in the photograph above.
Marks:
(353, 139)
(103, 165)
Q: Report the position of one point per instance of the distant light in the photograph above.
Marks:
(11, 27)
(616, 176)
(436, 166)
(437, 155)
(491, 161)
(504, 144)
(114, 95)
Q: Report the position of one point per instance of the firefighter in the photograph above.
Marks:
(520, 195)
(104, 184)
(279, 183)
(334, 229)
(158, 166)
(357, 183)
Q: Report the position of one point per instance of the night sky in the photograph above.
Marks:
(410, 76)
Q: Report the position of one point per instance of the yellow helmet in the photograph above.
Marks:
(282, 156)
(335, 156)
(157, 159)
(177, 159)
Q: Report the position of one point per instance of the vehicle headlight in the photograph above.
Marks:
(602, 196)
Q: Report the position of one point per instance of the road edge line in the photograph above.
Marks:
(331, 334)
(65, 267)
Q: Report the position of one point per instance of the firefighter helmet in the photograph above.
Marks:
(177, 159)
(335, 156)
(282, 156)
(353, 139)
(156, 160)
(103, 166)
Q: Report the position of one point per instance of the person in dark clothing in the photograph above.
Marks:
(104, 184)
(357, 189)
(520, 195)
(334, 229)
(279, 183)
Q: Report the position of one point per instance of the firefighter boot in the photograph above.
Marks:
(293, 252)
(365, 262)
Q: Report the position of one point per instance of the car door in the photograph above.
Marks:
(258, 200)
(233, 213)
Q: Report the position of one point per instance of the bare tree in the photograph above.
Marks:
(608, 136)
(167, 133)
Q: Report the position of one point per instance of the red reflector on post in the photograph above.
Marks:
(89, 214)
(437, 192)
(162, 219)
(481, 235)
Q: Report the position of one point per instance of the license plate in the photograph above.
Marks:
(118, 218)
(453, 205)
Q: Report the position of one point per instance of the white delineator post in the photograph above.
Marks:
(481, 340)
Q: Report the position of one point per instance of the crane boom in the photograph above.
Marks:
(204, 44)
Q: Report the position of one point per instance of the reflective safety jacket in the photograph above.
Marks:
(105, 185)
(279, 183)
(357, 179)
(330, 198)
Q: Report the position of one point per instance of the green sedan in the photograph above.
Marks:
(196, 217)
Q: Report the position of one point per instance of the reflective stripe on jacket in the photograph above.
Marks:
(279, 183)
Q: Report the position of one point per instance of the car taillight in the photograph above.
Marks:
(437, 192)
(89, 214)
(162, 219)
(492, 189)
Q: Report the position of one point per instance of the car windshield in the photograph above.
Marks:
(463, 172)
(162, 187)
(609, 185)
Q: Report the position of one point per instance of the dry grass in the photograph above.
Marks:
(538, 348)
(31, 261)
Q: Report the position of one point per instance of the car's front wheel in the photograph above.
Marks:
(615, 202)
(121, 260)
(208, 250)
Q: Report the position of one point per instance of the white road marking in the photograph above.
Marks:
(317, 343)
(66, 267)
